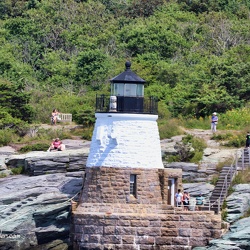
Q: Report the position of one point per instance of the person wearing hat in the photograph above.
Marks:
(214, 121)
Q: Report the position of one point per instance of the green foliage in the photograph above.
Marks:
(242, 177)
(224, 214)
(169, 128)
(236, 118)
(3, 175)
(194, 56)
(18, 170)
(14, 100)
(230, 190)
(92, 67)
(34, 147)
(221, 137)
(227, 162)
(214, 179)
(224, 205)
(6, 136)
(85, 117)
(198, 145)
(236, 142)
(49, 134)
(190, 149)
(87, 133)
(193, 122)
(231, 140)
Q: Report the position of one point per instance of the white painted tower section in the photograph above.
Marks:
(125, 140)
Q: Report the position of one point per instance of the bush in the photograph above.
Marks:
(221, 164)
(34, 147)
(198, 145)
(6, 136)
(214, 179)
(193, 122)
(242, 177)
(232, 140)
(18, 170)
(236, 142)
(169, 128)
(87, 133)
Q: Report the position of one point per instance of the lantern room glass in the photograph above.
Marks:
(127, 89)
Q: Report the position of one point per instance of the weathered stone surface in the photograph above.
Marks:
(194, 189)
(237, 238)
(36, 210)
(238, 202)
(39, 163)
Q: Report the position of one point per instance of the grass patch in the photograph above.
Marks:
(242, 177)
(169, 128)
(192, 122)
(215, 178)
(18, 170)
(230, 190)
(236, 140)
(87, 133)
(2, 175)
(224, 214)
(222, 164)
(34, 147)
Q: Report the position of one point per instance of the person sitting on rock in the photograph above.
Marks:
(55, 144)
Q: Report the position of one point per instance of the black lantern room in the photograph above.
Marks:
(127, 95)
(127, 89)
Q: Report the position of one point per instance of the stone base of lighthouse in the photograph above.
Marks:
(111, 215)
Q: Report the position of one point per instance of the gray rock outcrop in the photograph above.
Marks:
(39, 163)
(238, 202)
(36, 210)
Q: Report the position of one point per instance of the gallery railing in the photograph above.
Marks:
(122, 104)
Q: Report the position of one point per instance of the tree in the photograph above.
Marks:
(15, 101)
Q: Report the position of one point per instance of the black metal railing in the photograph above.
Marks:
(123, 104)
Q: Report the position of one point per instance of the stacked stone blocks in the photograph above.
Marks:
(109, 217)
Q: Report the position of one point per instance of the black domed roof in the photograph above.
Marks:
(128, 76)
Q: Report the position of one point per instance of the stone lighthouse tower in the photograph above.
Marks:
(127, 197)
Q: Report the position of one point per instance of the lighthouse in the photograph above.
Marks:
(126, 132)
(127, 198)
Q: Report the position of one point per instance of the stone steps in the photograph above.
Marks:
(220, 190)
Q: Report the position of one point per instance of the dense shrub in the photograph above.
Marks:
(5, 137)
(34, 147)
(18, 170)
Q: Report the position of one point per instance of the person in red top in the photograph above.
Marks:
(55, 144)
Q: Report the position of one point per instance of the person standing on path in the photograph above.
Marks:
(214, 121)
(247, 140)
